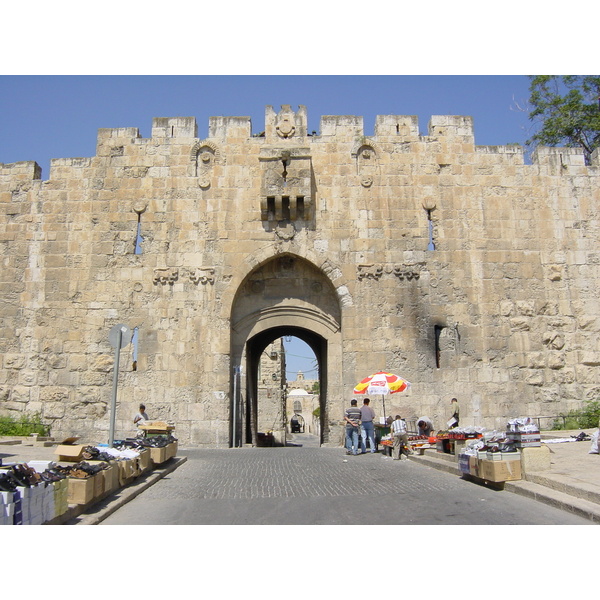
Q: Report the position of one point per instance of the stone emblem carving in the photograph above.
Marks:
(285, 126)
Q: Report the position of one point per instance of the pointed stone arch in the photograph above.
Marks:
(283, 295)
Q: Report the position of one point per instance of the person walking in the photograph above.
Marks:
(455, 412)
(352, 419)
(367, 427)
(400, 438)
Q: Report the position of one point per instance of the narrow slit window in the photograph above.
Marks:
(437, 331)
(300, 207)
(431, 245)
(271, 208)
(134, 343)
(285, 208)
(138, 236)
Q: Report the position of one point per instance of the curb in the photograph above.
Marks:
(107, 507)
(535, 490)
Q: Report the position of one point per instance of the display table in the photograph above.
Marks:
(151, 428)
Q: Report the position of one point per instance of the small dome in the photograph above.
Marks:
(298, 392)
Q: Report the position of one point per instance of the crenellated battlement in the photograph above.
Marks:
(447, 138)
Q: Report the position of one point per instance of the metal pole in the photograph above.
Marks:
(233, 440)
(113, 403)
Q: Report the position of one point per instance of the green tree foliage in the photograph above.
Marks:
(567, 109)
(23, 424)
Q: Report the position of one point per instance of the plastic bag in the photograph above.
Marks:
(594, 448)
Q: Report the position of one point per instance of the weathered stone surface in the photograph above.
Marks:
(458, 266)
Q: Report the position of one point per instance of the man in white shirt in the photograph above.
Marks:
(400, 438)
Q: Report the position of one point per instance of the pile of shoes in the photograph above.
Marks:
(155, 441)
(83, 470)
(19, 475)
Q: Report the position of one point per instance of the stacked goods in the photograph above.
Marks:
(7, 508)
(523, 433)
(460, 433)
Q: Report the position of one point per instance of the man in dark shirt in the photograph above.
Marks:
(352, 419)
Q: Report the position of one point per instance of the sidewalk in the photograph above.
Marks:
(572, 483)
(22, 450)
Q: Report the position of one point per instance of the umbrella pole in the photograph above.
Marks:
(383, 400)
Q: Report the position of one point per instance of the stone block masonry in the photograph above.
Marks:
(458, 266)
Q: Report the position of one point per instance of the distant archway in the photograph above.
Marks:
(286, 295)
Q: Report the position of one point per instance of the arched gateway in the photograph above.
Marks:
(286, 295)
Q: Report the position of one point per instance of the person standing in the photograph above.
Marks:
(352, 419)
(455, 412)
(367, 427)
(400, 438)
(425, 426)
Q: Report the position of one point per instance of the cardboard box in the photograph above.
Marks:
(511, 455)
(158, 455)
(111, 478)
(145, 459)
(493, 456)
(463, 463)
(474, 466)
(125, 471)
(81, 491)
(500, 470)
(98, 484)
(525, 440)
(70, 452)
(171, 450)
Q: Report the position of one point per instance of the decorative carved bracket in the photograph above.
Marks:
(164, 276)
(376, 272)
(169, 276)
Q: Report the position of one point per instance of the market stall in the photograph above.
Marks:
(496, 456)
(44, 491)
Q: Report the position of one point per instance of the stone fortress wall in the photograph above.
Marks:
(457, 266)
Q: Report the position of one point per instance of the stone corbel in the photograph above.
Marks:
(370, 272)
(202, 275)
(164, 276)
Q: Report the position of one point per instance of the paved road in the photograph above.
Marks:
(323, 486)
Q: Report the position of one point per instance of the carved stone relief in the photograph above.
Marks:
(375, 271)
(169, 276)
(204, 156)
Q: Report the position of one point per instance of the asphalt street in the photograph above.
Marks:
(323, 486)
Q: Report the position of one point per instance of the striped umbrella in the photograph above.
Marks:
(382, 383)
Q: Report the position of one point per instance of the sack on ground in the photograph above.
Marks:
(594, 448)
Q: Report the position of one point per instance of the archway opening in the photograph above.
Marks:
(272, 400)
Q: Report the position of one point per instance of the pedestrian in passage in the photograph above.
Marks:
(455, 412)
(400, 438)
(367, 427)
(352, 419)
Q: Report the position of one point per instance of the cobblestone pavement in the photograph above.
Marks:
(323, 486)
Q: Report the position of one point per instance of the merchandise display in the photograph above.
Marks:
(496, 455)
(40, 492)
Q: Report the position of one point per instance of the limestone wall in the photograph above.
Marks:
(502, 314)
